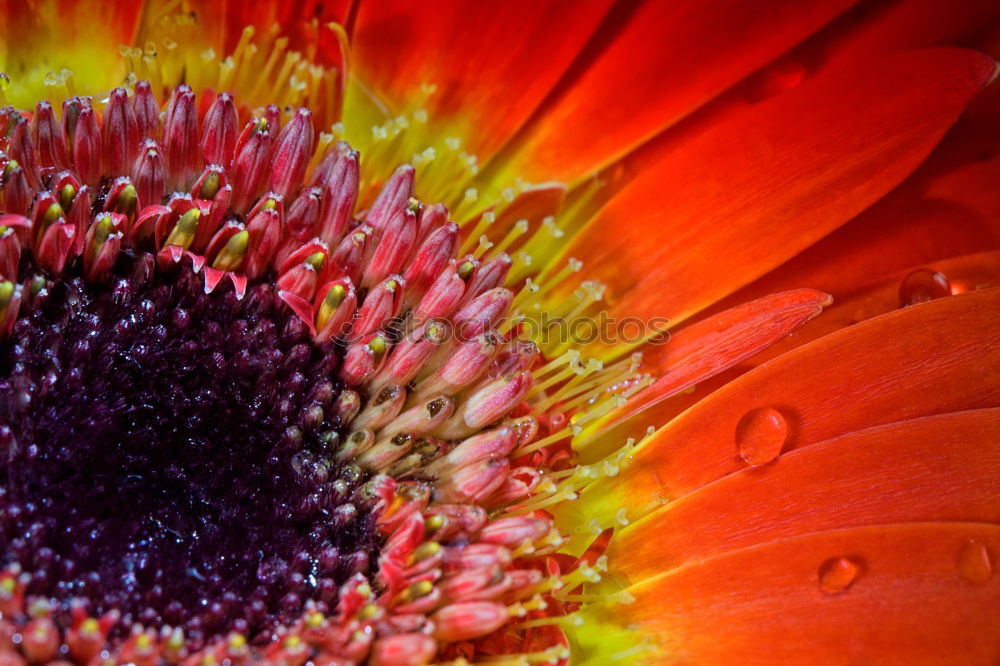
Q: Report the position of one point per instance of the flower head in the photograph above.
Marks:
(306, 358)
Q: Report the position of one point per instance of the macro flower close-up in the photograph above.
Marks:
(530, 332)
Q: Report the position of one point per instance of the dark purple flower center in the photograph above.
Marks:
(168, 453)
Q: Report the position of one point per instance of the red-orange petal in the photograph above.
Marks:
(492, 63)
(947, 208)
(938, 468)
(668, 59)
(714, 344)
(928, 359)
(727, 206)
(908, 594)
(966, 273)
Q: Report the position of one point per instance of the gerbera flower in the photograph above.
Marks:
(334, 334)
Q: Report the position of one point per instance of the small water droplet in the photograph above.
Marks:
(836, 574)
(760, 435)
(923, 285)
(974, 562)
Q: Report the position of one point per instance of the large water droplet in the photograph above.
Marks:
(923, 285)
(760, 435)
(974, 562)
(836, 574)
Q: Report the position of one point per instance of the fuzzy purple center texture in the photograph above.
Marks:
(168, 453)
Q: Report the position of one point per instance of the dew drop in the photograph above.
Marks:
(974, 563)
(760, 435)
(923, 285)
(836, 574)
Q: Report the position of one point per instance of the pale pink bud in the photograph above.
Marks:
(119, 134)
(16, 192)
(346, 259)
(483, 313)
(87, 147)
(464, 621)
(464, 365)
(147, 111)
(292, 152)
(45, 210)
(359, 441)
(48, 139)
(363, 359)
(484, 446)
(335, 305)
(423, 419)
(303, 215)
(517, 356)
(10, 249)
(22, 150)
(381, 304)
(387, 451)
(40, 640)
(465, 584)
(340, 189)
(250, 167)
(514, 531)
(180, 138)
(71, 109)
(489, 276)
(272, 114)
(443, 297)
(302, 279)
(265, 232)
(475, 556)
(220, 131)
(10, 304)
(56, 246)
(455, 519)
(102, 243)
(347, 406)
(382, 409)
(475, 482)
(494, 400)
(212, 179)
(403, 650)
(430, 260)
(150, 174)
(216, 214)
(408, 357)
(430, 219)
(392, 249)
(392, 198)
(518, 485)
(79, 216)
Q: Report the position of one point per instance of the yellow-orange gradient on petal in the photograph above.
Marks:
(703, 300)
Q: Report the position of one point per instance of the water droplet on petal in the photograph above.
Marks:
(836, 574)
(974, 562)
(923, 285)
(760, 435)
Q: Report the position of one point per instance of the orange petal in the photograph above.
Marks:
(668, 59)
(708, 347)
(947, 208)
(904, 594)
(723, 208)
(937, 468)
(961, 274)
(966, 273)
(932, 358)
(492, 63)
